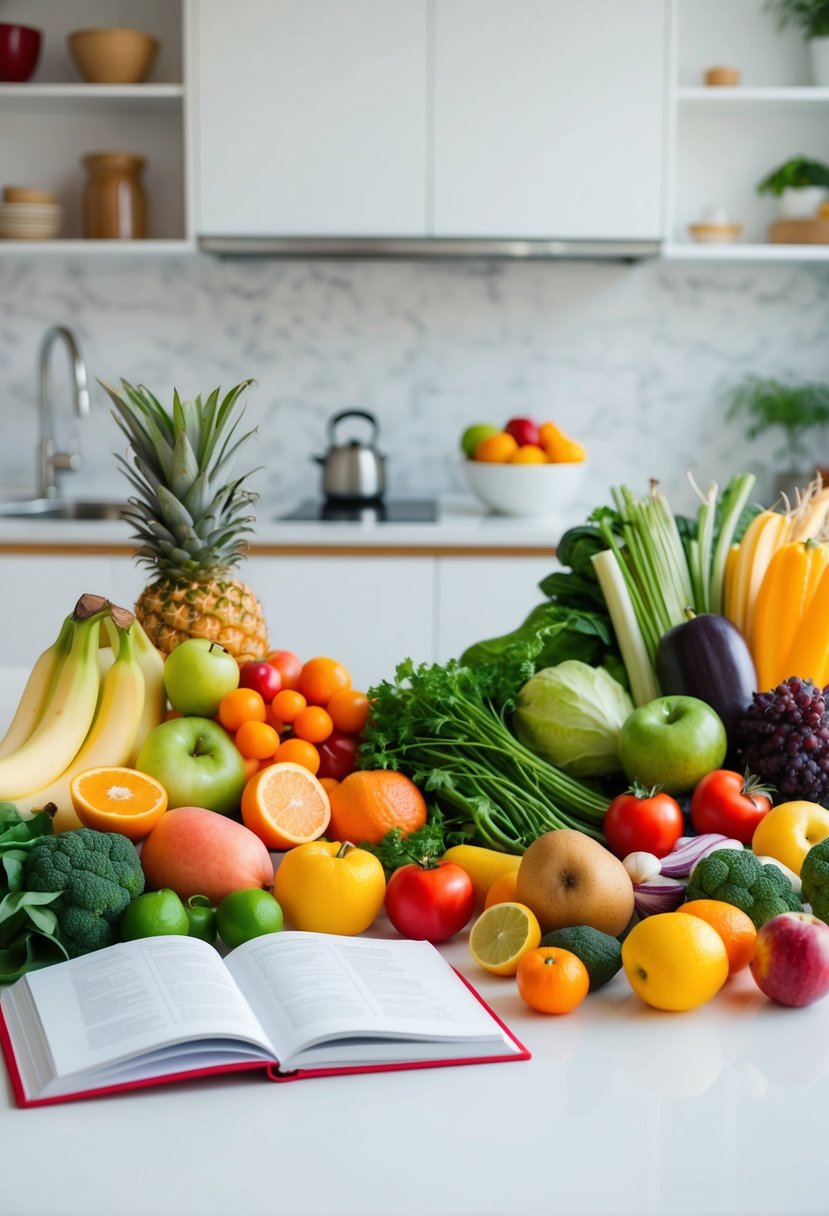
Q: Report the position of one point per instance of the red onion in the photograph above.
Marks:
(657, 895)
(689, 849)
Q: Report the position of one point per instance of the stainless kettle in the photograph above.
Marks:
(352, 471)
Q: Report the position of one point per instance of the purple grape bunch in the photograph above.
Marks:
(784, 739)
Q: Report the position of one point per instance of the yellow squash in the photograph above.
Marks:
(780, 634)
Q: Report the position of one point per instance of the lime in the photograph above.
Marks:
(248, 913)
(202, 917)
(154, 914)
(502, 935)
(600, 953)
(473, 435)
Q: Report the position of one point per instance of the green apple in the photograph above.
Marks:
(197, 763)
(197, 674)
(473, 435)
(672, 742)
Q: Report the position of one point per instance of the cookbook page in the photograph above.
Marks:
(130, 998)
(306, 988)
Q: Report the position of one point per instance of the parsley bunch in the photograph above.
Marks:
(446, 728)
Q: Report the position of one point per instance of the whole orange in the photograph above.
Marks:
(735, 927)
(320, 678)
(552, 980)
(365, 805)
(497, 448)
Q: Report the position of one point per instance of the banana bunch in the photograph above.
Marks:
(76, 713)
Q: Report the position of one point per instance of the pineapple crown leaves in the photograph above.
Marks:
(185, 519)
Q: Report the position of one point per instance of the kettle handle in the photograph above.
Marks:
(332, 422)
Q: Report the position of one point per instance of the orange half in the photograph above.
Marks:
(118, 800)
(285, 805)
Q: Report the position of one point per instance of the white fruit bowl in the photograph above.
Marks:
(531, 491)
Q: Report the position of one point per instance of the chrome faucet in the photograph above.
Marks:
(52, 461)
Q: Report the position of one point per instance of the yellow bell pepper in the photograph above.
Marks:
(780, 634)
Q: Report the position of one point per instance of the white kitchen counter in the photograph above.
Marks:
(461, 525)
(622, 1110)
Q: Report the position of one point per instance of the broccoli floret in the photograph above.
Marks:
(97, 875)
(814, 879)
(737, 876)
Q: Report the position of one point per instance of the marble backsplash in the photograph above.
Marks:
(634, 360)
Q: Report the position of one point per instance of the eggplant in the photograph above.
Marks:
(707, 657)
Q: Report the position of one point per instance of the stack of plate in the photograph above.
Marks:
(29, 215)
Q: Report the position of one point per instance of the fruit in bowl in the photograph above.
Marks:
(526, 469)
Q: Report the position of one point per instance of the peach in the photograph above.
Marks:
(194, 851)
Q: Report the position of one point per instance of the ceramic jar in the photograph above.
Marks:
(114, 203)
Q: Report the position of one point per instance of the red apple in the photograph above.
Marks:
(524, 431)
(791, 959)
(287, 664)
(262, 677)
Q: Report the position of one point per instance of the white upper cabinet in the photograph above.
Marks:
(549, 118)
(311, 117)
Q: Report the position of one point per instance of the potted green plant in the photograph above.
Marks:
(795, 409)
(800, 185)
(812, 18)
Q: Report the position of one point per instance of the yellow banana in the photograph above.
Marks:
(66, 719)
(110, 739)
(151, 662)
(38, 690)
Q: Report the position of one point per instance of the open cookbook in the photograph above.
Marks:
(291, 1004)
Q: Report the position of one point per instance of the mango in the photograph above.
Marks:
(194, 851)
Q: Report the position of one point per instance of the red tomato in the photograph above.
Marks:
(643, 820)
(432, 904)
(730, 803)
(338, 755)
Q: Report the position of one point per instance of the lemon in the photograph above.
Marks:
(502, 935)
(675, 961)
(246, 914)
(155, 914)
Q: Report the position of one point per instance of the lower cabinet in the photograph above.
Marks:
(369, 612)
(483, 597)
(40, 591)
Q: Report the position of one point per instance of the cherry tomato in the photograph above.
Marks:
(338, 755)
(730, 803)
(645, 820)
(430, 904)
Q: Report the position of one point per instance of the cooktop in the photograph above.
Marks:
(381, 511)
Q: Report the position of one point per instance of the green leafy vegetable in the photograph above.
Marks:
(571, 715)
(445, 727)
(28, 925)
(422, 847)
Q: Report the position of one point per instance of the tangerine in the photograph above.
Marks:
(287, 704)
(551, 980)
(496, 449)
(256, 740)
(320, 678)
(298, 751)
(502, 889)
(241, 705)
(349, 710)
(366, 804)
(313, 724)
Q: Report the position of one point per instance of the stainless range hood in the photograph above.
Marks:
(414, 248)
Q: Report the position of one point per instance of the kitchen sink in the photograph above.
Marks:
(57, 508)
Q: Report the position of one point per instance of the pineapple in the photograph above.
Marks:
(190, 519)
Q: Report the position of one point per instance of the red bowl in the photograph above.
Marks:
(19, 52)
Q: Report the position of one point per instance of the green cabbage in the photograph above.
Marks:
(571, 715)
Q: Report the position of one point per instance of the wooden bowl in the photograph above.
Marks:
(112, 56)
(722, 77)
(715, 234)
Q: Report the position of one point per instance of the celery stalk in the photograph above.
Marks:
(643, 682)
